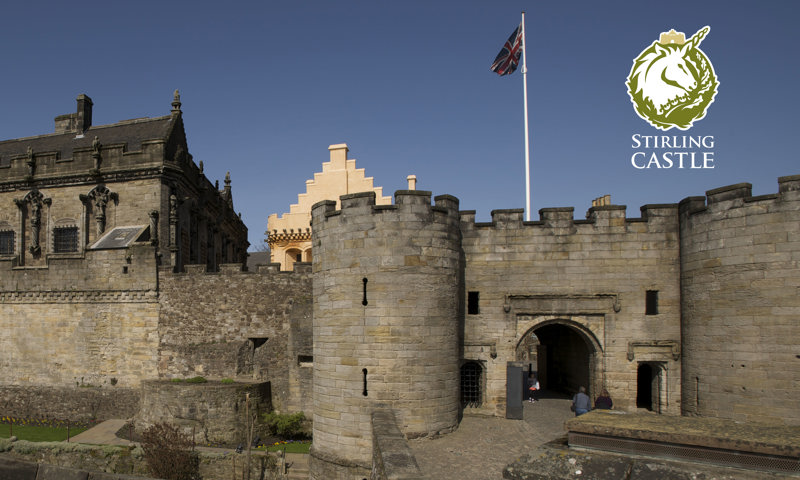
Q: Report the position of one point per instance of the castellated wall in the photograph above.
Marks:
(247, 326)
(741, 297)
(79, 335)
(386, 301)
(581, 279)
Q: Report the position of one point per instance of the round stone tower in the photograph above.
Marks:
(386, 336)
(739, 304)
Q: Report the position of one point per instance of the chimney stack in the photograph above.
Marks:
(84, 115)
(77, 122)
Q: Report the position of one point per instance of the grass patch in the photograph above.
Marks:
(33, 433)
(291, 447)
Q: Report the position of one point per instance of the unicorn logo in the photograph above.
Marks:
(672, 82)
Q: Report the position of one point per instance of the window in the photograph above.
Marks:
(65, 239)
(471, 385)
(7, 243)
(651, 302)
(472, 303)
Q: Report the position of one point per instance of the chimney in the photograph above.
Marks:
(412, 182)
(77, 122)
(84, 115)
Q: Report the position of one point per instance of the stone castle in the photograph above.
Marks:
(122, 266)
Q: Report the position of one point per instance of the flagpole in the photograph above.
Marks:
(527, 148)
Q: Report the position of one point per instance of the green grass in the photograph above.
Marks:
(294, 447)
(39, 434)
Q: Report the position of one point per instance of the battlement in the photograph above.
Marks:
(739, 195)
(231, 269)
(562, 219)
(414, 202)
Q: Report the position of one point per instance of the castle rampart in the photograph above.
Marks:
(581, 287)
(739, 284)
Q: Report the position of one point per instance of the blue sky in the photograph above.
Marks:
(266, 87)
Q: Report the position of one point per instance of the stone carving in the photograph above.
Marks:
(96, 153)
(99, 196)
(154, 227)
(31, 162)
(35, 200)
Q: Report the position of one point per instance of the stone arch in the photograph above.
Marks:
(292, 256)
(569, 353)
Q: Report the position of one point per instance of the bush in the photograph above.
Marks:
(291, 425)
(169, 453)
(196, 380)
(227, 380)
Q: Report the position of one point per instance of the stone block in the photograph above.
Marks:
(53, 472)
(11, 469)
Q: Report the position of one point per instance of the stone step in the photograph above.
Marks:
(297, 466)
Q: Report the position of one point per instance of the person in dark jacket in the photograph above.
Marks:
(603, 402)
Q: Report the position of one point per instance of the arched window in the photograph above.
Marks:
(471, 384)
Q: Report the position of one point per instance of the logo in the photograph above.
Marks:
(672, 82)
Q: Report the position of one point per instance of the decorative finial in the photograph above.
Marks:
(228, 180)
(201, 166)
(176, 102)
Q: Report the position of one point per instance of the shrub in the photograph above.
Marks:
(197, 379)
(227, 380)
(290, 425)
(169, 453)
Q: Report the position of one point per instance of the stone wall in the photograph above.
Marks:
(74, 403)
(81, 322)
(63, 206)
(59, 460)
(249, 326)
(741, 303)
(212, 413)
(584, 278)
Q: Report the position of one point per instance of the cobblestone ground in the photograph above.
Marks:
(483, 446)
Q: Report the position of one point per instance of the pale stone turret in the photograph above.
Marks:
(289, 236)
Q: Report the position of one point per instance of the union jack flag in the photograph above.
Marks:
(508, 58)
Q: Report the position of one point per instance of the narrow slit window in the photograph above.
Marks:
(305, 360)
(651, 302)
(364, 300)
(364, 371)
(473, 303)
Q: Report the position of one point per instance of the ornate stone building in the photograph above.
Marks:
(289, 236)
(86, 186)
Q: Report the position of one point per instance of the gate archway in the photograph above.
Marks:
(567, 356)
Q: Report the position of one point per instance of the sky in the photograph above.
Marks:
(268, 85)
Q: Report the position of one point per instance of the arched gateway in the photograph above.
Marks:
(564, 353)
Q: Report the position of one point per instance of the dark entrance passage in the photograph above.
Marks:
(563, 358)
(645, 377)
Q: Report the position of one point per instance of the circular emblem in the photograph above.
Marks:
(672, 82)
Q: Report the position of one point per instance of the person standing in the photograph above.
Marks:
(533, 387)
